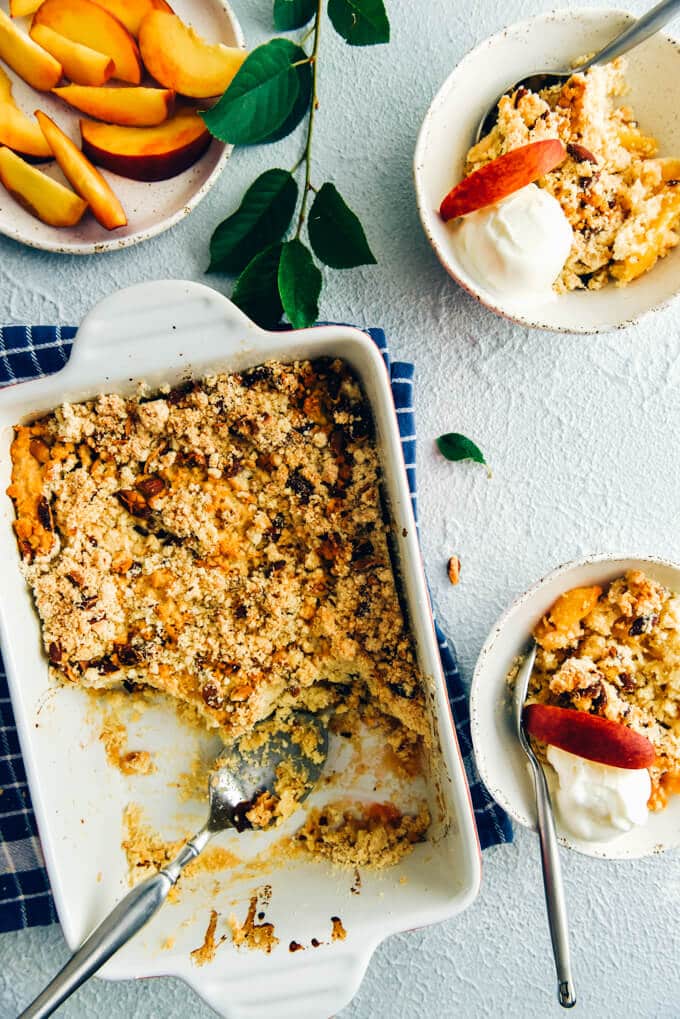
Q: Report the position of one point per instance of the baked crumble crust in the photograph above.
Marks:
(623, 204)
(616, 653)
(224, 543)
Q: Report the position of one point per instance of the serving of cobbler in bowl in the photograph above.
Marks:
(566, 214)
(602, 708)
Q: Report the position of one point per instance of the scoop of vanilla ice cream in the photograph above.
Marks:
(518, 246)
(597, 802)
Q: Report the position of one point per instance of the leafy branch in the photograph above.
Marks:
(274, 90)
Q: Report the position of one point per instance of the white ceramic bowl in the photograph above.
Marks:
(548, 40)
(502, 763)
(151, 207)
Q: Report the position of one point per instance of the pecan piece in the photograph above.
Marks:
(580, 153)
(150, 486)
(44, 511)
(211, 695)
(133, 501)
(127, 654)
(54, 652)
(453, 569)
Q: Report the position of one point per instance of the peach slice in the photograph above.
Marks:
(561, 626)
(45, 198)
(30, 61)
(179, 59)
(502, 176)
(84, 22)
(147, 153)
(132, 107)
(132, 12)
(17, 131)
(21, 8)
(82, 175)
(79, 63)
(590, 736)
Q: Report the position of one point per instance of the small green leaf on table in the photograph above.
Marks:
(260, 221)
(455, 446)
(360, 22)
(299, 284)
(257, 288)
(261, 96)
(292, 14)
(301, 104)
(335, 233)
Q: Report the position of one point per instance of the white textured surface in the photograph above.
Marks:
(581, 436)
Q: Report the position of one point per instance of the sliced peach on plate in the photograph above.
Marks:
(81, 64)
(84, 22)
(590, 736)
(22, 8)
(82, 175)
(30, 61)
(132, 12)
(43, 197)
(132, 107)
(17, 131)
(502, 177)
(178, 58)
(147, 153)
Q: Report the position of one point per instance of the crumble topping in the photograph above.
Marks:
(224, 543)
(616, 653)
(623, 204)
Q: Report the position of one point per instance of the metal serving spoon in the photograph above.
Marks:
(550, 860)
(640, 30)
(236, 780)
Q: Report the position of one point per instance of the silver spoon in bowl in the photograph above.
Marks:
(550, 860)
(632, 36)
(237, 779)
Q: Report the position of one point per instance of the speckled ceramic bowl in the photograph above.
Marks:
(549, 40)
(151, 207)
(502, 763)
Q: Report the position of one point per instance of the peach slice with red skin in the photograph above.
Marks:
(43, 197)
(178, 58)
(132, 12)
(80, 64)
(30, 61)
(590, 736)
(131, 107)
(147, 153)
(502, 177)
(83, 176)
(17, 131)
(84, 22)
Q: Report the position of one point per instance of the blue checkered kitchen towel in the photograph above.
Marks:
(25, 897)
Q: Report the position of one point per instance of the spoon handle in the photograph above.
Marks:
(554, 890)
(128, 917)
(640, 30)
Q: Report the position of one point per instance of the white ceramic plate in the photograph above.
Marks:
(151, 207)
(546, 41)
(502, 764)
(161, 332)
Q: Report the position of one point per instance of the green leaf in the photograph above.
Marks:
(299, 284)
(304, 74)
(261, 220)
(257, 288)
(260, 97)
(336, 235)
(455, 446)
(291, 14)
(360, 22)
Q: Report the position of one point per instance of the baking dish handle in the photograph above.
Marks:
(152, 323)
(320, 986)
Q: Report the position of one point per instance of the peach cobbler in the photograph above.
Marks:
(621, 201)
(223, 542)
(614, 652)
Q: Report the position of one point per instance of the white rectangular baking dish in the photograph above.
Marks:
(161, 332)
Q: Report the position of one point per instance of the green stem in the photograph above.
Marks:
(307, 155)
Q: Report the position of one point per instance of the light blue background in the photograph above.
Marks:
(582, 436)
